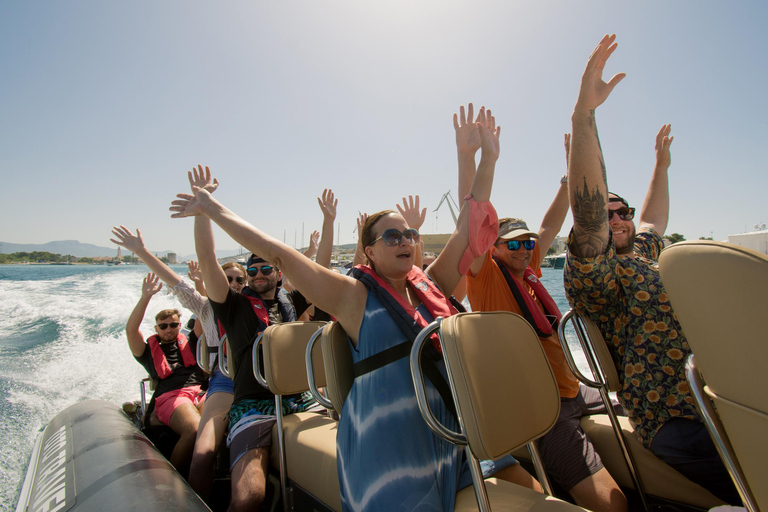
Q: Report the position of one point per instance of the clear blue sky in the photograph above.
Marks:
(104, 106)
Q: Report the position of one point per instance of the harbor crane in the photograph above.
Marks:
(448, 199)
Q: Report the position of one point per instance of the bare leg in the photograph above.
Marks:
(599, 493)
(249, 480)
(518, 475)
(210, 433)
(184, 422)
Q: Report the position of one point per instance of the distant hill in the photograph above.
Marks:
(80, 250)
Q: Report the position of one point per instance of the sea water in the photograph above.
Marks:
(62, 341)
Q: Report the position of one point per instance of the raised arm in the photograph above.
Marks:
(150, 286)
(341, 296)
(555, 216)
(328, 205)
(135, 244)
(216, 285)
(196, 275)
(467, 144)
(415, 218)
(314, 238)
(445, 269)
(588, 188)
(360, 257)
(655, 213)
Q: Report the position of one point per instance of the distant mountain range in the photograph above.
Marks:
(80, 250)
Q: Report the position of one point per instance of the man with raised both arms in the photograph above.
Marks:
(243, 316)
(169, 359)
(612, 277)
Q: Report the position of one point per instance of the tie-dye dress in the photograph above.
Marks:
(388, 458)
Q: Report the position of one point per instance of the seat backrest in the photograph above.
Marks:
(201, 354)
(506, 392)
(718, 292)
(285, 346)
(337, 361)
(602, 354)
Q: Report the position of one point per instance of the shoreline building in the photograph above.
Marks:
(756, 240)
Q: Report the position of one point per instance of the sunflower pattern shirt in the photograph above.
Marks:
(627, 300)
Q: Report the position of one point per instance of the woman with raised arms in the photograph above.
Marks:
(388, 459)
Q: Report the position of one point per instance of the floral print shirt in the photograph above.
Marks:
(627, 300)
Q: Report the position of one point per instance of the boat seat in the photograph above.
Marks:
(201, 354)
(493, 358)
(226, 363)
(656, 477)
(718, 292)
(304, 444)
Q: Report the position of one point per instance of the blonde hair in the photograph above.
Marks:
(234, 264)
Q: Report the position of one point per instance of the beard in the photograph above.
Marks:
(624, 249)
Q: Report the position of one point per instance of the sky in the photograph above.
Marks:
(104, 107)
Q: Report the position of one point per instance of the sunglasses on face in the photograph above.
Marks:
(172, 325)
(393, 237)
(514, 245)
(265, 271)
(240, 280)
(623, 213)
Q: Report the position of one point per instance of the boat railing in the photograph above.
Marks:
(604, 379)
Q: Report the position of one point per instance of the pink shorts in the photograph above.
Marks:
(166, 403)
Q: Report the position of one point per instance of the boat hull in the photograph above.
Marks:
(91, 457)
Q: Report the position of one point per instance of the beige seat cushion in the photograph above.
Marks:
(285, 346)
(337, 360)
(496, 358)
(310, 454)
(508, 497)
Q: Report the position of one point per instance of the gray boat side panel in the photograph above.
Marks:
(92, 458)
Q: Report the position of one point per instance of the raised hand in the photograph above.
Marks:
(126, 239)
(410, 211)
(467, 135)
(188, 205)
(328, 204)
(202, 179)
(314, 239)
(489, 134)
(151, 285)
(195, 274)
(663, 141)
(594, 91)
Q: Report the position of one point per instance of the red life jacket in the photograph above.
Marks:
(543, 322)
(162, 367)
(433, 299)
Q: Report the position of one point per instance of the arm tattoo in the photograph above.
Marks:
(590, 226)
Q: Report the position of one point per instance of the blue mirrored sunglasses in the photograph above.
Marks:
(514, 245)
(394, 237)
(265, 270)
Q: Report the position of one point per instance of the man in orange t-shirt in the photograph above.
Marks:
(506, 278)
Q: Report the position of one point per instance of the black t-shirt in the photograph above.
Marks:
(301, 304)
(242, 326)
(182, 376)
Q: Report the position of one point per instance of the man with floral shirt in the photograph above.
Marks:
(612, 277)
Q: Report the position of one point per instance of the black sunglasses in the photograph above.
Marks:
(393, 237)
(514, 245)
(240, 279)
(623, 213)
(172, 325)
(265, 271)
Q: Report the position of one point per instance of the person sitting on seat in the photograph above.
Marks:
(170, 360)
(507, 278)
(388, 458)
(612, 277)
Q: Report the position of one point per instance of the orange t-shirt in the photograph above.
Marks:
(489, 291)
